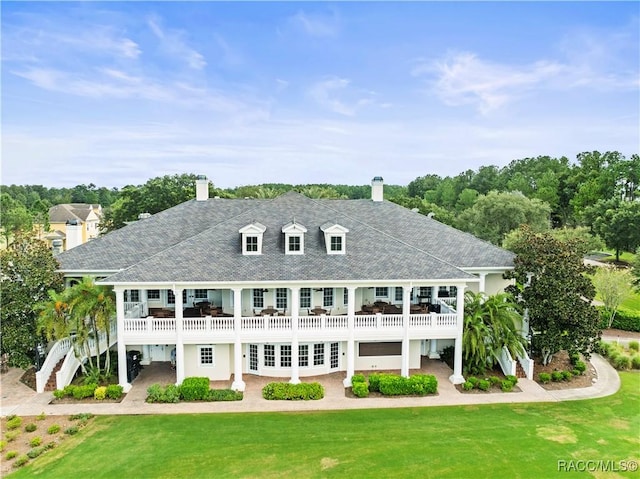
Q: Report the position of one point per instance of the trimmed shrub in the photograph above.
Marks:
(30, 427)
(194, 388)
(83, 416)
(627, 320)
(114, 391)
(10, 436)
(85, 391)
(423, 384)
(575, 372)
(467, 385)
(580, 366)
(567, 375)
(603, 348)
(288, 391)
(556, 376)
(484, 385)
(506, 386)
(3, 444)
(474, 380)
(53, 429)
(71, 430)
(634, 346)
(21, 461)
(36, 441)
(14, 423)
(512, 379)
(360, 389)
(35, 452)
(50, 445)
(635, 362)
(544, 378)
(574, 358)
(59, 393)
(495, 380)
(41, 416)
(11, 454)
(357, 378)
(374, 382)
(224, 395)
(622, 362)
(100, 393)
(168, 394)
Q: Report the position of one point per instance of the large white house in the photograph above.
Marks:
(289, 287)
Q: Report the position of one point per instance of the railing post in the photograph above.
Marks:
(179, 344)
(406, 305)
(351, 314)
(295, 352)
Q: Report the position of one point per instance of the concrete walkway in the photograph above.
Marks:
(19, 399)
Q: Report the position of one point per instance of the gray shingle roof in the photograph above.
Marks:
(199, 241)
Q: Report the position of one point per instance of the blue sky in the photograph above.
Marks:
(246, 93)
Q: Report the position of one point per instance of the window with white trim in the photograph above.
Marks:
(258, 298)
(281, 298)
(171, 298)
(327, 297)
(132, 295)
(305, 297)
(294, 238)
(294, 245)
(345, 297)
(318, 354)
(251, 244)
(303, 355)
(334, 237)
(399, 294)
(382, 292)
(334, 359)
(336, 244)
(252, 238)
(153, 294)
(206, 356)
(200, 294)
(269, 355)
(285, 355)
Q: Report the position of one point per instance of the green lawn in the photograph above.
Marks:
(507, 440)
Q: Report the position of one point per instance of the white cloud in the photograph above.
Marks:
(316, 24)
(173, 42)
(327, 93)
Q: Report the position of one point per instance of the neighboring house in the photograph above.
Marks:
(289, 287)
(73, 224)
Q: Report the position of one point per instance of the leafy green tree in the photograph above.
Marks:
(422, 184)
(28, 272)
(466, 199)
(14, 218)
(595, 178)
(552, 287)
(490, 323)
(496, 214)
(318, 192)
(579, 236)
(635, 269)
(618, 223)
(613, 286)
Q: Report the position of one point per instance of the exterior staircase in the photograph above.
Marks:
(50, 385)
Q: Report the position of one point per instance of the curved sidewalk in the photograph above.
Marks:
(19, 399)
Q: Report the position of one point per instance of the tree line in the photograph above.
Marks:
(595, 198)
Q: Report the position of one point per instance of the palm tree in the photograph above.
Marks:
(490, 323)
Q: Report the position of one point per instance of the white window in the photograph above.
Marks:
(303, 355)
(327, 297)
(153, 294)
(171, 298)
(294, 238)
(206, 355)
(398, 296)
(305, 297)
(318, 354)
(252, 238)
(382, 292)
(285, 355)
(132, 295)
(281, 298)
(334, 237)
(345, 297)
(269, 355)
(200, 294)
(258, 298)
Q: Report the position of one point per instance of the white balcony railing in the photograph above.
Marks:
(372, 322)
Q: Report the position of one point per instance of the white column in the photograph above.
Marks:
(238, 383)
(433, 349)
(351, 348)
(179, 344)
(481, 286)
(144, 299)
(146, 355)
(122, 349)
(406, 305)
(295, 352)
(456, 377)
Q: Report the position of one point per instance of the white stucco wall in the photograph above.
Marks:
(494, 283)
(220, 371)
(373, 363)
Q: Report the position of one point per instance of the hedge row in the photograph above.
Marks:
(293, 392)
(112, 391)
(625, 319)
(394, 384)
(191, 389)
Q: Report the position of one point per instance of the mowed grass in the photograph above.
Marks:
(506, 440)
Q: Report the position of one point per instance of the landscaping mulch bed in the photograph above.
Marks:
(560, 362)
(493, 389)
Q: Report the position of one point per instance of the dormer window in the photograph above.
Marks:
(294, 238)
(252, 238)
(335, 237)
